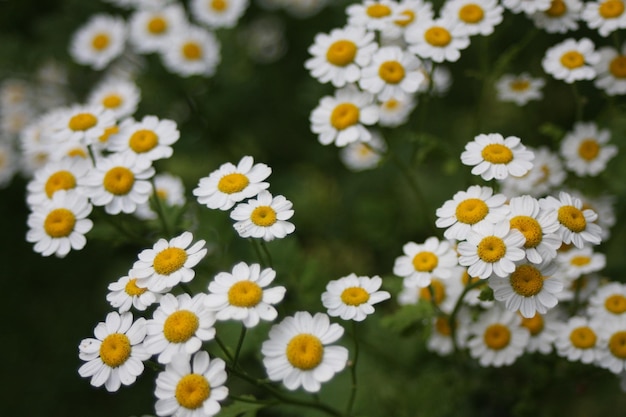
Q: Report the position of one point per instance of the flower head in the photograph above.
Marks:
(493, 156)
(264, 217)
(352, 297)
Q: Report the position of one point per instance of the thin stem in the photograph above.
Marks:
(255, 245)
(353, 370)
(159, 209)
(457, 307)
(186, 288)
(252, 400)
(242, 335)
(224, 349)
(267, 253)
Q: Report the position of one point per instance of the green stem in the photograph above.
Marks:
(251, 400)
(266, 251)
(457, 307)
(186, 288)
(224, 349)
(242, 335)
(255, 245)
(353, 370)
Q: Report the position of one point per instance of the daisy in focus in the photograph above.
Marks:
(576, 223)
(571, 60)
(119, 95)
(519, 89)
(299, 351)
(192, 51)
(56, 176)
(586, 150)
(151, 137)
(439, 40)
(125, 293)
(218, 13)
(493, 156)
(99, 41)
(352, 297)
(478, 17)
(243, 295)
(611, 69)
(81, 124)
(264, 217)
(422, 262)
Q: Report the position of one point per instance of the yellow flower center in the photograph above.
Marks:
(169, 260)
(60, 180)
(108, 132)
(557, 8)
(519, 85)
(192, 390)
(119, 180)
(405, 21)
(219, 5)
(391, 104)
(580, 260)
(471, 13)
(192, 51)
(79, 152)
(245, 294)
(112, 101)
(616, 304)
(132, 289)
(572, 218)
(491, 249)
(180, 326)
(341, 53)
(82, 122)
(232, 183)
(497, 336)
(589, 149)
(496, 153)
(611, 9)
(438, 36)
(438, 291)
(425, 261)
(471, 211)
(305, 351)
(157, 25)
(617, 344)
(391, 72)
(115, 349)
(466, 279)
(162, 194)
(617, 67)
(354, 296)
(583, 337)
(442, 325)
(526, 280)
(534, 324)
(378, 10)
(263, 216)
(530, 228)
(100, 41)
(344, 115)
(59, 223)
(572, 59)
(143, 141)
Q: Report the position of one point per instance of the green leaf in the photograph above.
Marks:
(486, 294)
(408, 317)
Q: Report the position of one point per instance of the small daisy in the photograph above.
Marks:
(99, 41)
(150, 29)
(576, 223)
(562, 16)
(441, 293)
(571, 60)
(59, 225)
(192, 51)
(577, 262)
(360, 156)
(298, 351)
(493, 156)
(438, 79)
(581, 288)
(611, 70)
(395, 111)
(392, 73)
(408, 13)
(378, 15)
(119, 95)
(529, 289)
(230, 184)
(151, 137)
(605, 15)
(119, 182)
(114, 357)
(491, 249)
(543, 330)
(439, 40)
(470, 208)
(170, 191)
(422, 262)
(519, 89)
(125, 293)
(440, 337)
(338, 57)
(612, 353)
(604, 205)
(497, 338)
(218, 13)
(546, 174)
(352, 297)
(82, 124)
(264, 217)
(168, 262)
(191, 387)
(526, 6)
(341, 118)
(242, 295)
(577, 340)
(179, 325)
(608, 302)
(478, 17)
(586, 150)
(56, 176)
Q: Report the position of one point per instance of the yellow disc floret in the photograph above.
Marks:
(378, 10)
(589, 149)
(143, 140)
(60, 180)
(132, 289)
(572, 59)
(112, 101)
(611, 9)
(497, 153)
(341, 53)
(491, 249)
(192, 51)
(526, 280)
(100, 41)
(180, 326)
(115, 349)
(557, 8)
(616, 304)
(344, 115)
(497, 336)
(442, 325)
(471, 13)
(617, 67)
(617, 344)
(82, 122)
(583, 337)
(534, 324)
(232, 183)
(572, 218)
(245, 294)
(354, 296)
(392, 72)
(471, 211)
(437, 289)
(406, 18)
(192, 390)
(519, 85)
(263, 216)
(169, 260)
(425, 261)
(119, 180)
(219, 5)
(530, 228)
(59, 223)
(157, 25)
(438, 36)
(305, 351)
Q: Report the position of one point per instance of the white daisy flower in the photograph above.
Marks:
(99, 41)
(377, 15)
(58, 225)
(395, 111)
(150, 29)
(264, 217)
(170, 191)
(168, 262)
(341, 118)
(580, 288)
(423, 262)
(408, 13)
(218, 13)
(604, 205)
(299, 351)
(125, 293)
(576, 262)
(82, 124)
(608, 302)
(491, 249)
(478, 17)
(119, 182)
(114, 357)
(119, 95)
(470, 208)
(611, 69)
(576, 223)
(338, 57)
(352, 297)
(529, 289)
(526, 6)
(538, 227)
(562, 16)
(577, 340)
(497, 338)
(191, 387)
(56, 176)
(442, 293)
(439, 40)
(546, 174)
(440, 337)
(152, 138)
(179, 325)
(360, 156)
(493, 156)
(571, 60)
(519, 89)
(230, 184)
(612, 352)
(605, 15)
(242, 295)
(543, 329)
(192, 51)
(586, 150)
(392, 73)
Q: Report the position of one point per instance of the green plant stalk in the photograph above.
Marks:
(353, 370)
(222, 346)
(242, 336)
(457, 308)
